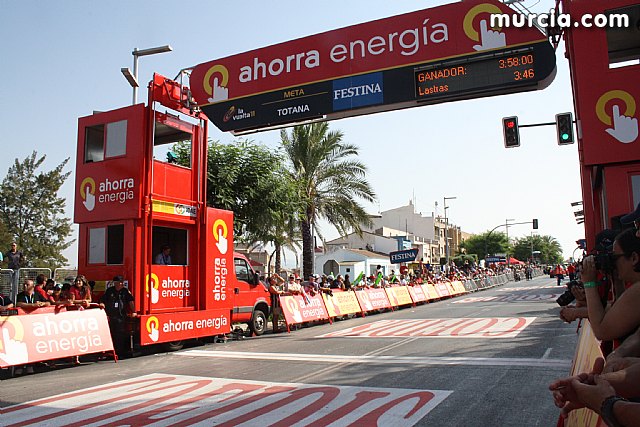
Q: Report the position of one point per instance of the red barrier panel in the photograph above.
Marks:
(373, 299)
(341, 303)
(417, 294)
(398, 295)
(297, 310)
(442, 289)
(430, 290)
(45, 336)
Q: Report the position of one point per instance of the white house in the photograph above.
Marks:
(352, 262)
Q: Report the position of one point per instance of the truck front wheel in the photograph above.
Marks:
(173, 345)
(258, 322)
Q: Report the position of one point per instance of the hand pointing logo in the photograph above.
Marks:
(625, 129)
(90, 201)
(489, 39)
(222, 243)
(16, 352)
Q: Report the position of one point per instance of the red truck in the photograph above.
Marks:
(146, 219)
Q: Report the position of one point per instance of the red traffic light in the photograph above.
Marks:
(511, 125)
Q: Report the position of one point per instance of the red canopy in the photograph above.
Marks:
(512, 260)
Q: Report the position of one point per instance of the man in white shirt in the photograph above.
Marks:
(164, 257)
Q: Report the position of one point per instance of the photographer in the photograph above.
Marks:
(623, 317)
(579, 310)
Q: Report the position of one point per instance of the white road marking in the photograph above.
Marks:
(180, 400)
(381, 360)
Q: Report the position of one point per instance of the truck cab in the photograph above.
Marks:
(144, 216)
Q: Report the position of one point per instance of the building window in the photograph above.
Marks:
(623, 43)
(176, 239)
(106, 245)
(104, 142)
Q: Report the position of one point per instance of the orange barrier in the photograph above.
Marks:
(51, 335)
(297, 310)
(587, 351)
(398, 295)
(341, 303)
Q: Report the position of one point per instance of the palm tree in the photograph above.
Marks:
(329, 180)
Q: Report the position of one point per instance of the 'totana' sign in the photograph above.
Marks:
(397, 62)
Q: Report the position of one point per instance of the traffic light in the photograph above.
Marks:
(535, 223)
(511, 132)
(564, 128)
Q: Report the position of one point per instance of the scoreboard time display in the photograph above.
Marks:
(477, 74)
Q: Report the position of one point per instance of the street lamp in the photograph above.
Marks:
(506, 224)
(446, 229)
(132, 78)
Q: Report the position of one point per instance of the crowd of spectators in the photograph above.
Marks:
(607, 293)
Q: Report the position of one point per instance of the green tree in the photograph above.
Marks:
(330, 182)
(251, 181)
(549, 248)
(489, 242)
(32, 211)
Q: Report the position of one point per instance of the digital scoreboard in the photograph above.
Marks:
(476, 74)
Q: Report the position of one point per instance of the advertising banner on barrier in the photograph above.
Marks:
(341, 303)
(297, 310)
(430, 290)
(417, 294)
(36, 337)
(398, 295)
(167, 327)
(587, 351)
(373, 299)
(442, 289)
(459, 287)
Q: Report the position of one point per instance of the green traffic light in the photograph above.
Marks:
(565, 136)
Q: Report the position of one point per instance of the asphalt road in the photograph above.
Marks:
(483, 359)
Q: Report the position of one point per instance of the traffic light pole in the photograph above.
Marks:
(506, 224)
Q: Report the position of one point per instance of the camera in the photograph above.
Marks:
(567, 297)
(605, 262)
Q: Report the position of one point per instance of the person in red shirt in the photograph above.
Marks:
(40, 282)
(81, 292)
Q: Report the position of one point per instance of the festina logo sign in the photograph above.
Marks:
(403, 256)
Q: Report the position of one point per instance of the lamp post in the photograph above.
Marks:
(132, 78)
(446, 230)
(506, 224)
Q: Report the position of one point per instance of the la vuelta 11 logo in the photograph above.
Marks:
(220, 268)
(153, 328)
(488, 38)
(623, 127)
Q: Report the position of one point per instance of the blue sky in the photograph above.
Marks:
(62, 60)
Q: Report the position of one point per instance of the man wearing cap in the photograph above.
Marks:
(117, 302)
(633, 218)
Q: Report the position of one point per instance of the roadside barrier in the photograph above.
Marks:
(60, 275)
(7, 284)
(31, 273)
(54, 333)
(587, 351)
